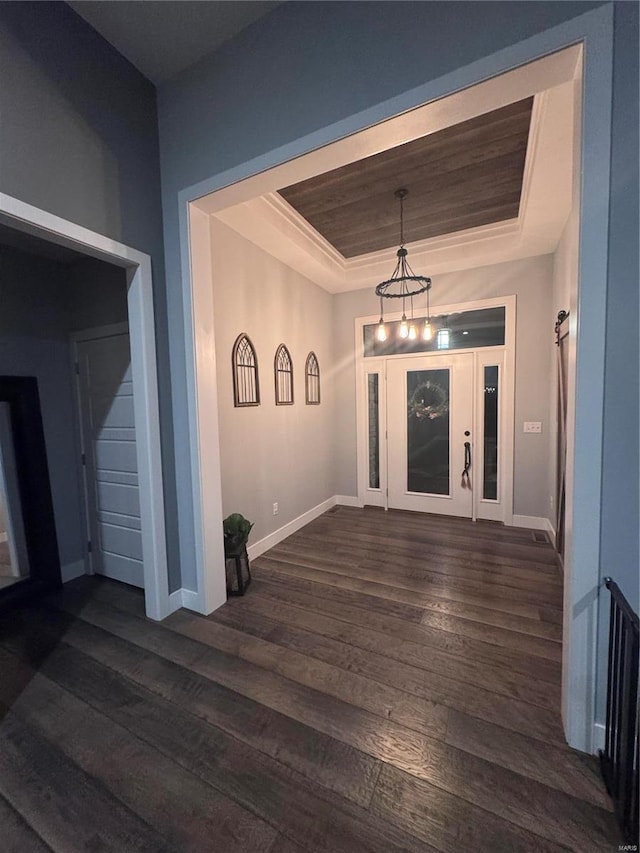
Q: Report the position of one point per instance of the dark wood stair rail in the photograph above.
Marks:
(619, 759)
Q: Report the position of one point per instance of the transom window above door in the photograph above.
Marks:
(484, 327)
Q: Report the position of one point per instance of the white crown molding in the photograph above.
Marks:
(282, 209)
(539, 104)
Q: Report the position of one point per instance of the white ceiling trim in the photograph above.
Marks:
(255, 210)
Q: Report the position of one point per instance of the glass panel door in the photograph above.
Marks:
(372, 446)
(490, 438)
(429, 420)
(428, 440)
(373, 419)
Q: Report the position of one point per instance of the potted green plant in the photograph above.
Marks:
(236, 533)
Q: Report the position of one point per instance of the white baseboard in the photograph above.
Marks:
(4, 537)
(599, 737)
(272, 539)
(183, 598)
(190, 600)
(71, 571)
(347, 500)
(534, 522)
(175, 600)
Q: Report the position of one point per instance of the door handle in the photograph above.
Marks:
(466, 478)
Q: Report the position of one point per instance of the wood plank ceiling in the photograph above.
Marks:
(461, 177)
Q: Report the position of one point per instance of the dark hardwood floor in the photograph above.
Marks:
(390, 682)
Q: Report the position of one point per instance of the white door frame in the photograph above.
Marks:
(378, 497)
(47, 226)
(593, 30)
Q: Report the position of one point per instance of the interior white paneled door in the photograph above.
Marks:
(430, 409)
(109, 457)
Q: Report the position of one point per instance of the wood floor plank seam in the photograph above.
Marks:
(375, 785)
(7, 811)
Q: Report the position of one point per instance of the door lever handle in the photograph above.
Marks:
(466, 478)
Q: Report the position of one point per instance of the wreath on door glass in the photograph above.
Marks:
(428, 402)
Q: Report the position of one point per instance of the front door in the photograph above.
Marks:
(430, 433)
(109, 456)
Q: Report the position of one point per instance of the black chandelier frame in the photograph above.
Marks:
(404, 283)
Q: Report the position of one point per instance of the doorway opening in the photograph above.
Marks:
(255, 210)
(71, 278)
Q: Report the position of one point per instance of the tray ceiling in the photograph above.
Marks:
(464, 176)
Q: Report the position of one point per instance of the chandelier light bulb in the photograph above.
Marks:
(381, 333)
(427, 331)
(404, 328)
(412, 333)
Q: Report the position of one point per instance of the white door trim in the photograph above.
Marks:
(368, 365)
(594, 30)
(25, 217)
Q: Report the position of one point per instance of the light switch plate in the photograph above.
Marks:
(533, 426)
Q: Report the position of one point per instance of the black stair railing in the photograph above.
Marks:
(619, 759)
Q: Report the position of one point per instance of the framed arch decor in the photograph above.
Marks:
(312, 380)
(283, 375)
(246, 382)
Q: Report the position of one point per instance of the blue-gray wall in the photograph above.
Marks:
(78, 138)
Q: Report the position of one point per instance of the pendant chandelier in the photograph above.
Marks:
(404, 284)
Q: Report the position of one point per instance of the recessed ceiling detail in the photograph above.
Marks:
(461, 177)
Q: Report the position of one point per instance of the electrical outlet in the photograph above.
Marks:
(533, 426)
(275, 508)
